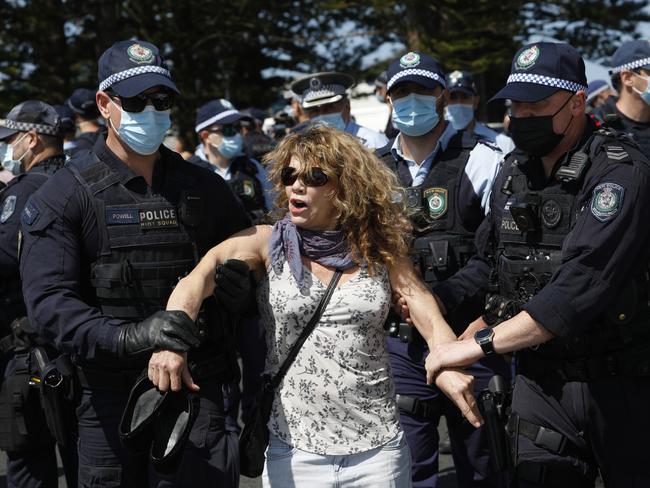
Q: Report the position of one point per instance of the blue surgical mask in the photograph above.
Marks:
(143, 131)
(229, 147)
(645, 95)
(415, 114)
(8, 161)
(333, 120)
(459, 115)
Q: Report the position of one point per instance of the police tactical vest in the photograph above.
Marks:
(442, 243)
(245, 183)
(146, 241)
(11, 297)
(528, 251)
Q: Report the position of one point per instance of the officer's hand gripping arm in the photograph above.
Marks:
(173, 330)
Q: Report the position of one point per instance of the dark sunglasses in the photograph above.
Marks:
(312, 177)
(227, 130)
(160, 100)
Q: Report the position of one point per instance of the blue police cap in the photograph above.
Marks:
(542, 68)
(66, 118)
(417, 67)
(322, 88)
(461, 81)
(82, 102)
(595, 87)
(30, 115)
(631, 55)
(220, 112)
(131, 67)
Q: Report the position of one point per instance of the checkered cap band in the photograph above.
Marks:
(215, 119)
(325, 91)
(631, 65)
(129, 73)
(415, 72)
(27, 126)
(546, 80)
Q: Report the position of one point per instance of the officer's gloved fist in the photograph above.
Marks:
(233, 284)
(172, 330)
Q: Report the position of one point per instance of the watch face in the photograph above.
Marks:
(483, 334)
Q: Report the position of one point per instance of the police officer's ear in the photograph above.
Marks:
(203, 136)
(32, 141)
(578, 103)
(477, 99)
(103, 101)
(444, 100)
(628, 78)
(346, 109)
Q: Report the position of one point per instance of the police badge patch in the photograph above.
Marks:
(551, 213)
(248, 188)
(139, 54)
(606, 201)
(8, 208)
(527, 58)
(436, 199)
(409, 60)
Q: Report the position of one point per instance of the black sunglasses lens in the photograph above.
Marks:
(316, 177)
(160, 101)
(288, 176)
(229, 130)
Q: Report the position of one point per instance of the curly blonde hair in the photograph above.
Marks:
(375, 221)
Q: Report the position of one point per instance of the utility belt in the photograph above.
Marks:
(499, 309)
(36, 402)
(218, 369)
(503, 430)
(439, 256)
(407, 333)
(422, 409)
(627, 362)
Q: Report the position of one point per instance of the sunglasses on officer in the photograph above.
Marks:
(312, 177)
(161, 101)
(226, 130)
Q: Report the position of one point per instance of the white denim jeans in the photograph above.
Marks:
(388, 466)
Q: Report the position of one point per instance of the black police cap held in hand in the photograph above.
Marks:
(173, 330)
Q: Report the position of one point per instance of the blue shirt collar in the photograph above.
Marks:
(441, 145)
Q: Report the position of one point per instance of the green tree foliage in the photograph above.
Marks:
(595, 27)
(245, 50)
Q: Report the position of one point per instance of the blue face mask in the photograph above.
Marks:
(459, 115)
(415, 114)
(143, 131)
(229, 147)
(8, 161)
(333, 120)
(645, 95)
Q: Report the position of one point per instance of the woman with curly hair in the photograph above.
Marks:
(334, 419)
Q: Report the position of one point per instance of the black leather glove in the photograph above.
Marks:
(173, 330)
(233, 284)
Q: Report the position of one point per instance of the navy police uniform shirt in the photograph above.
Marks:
(12, 201)
(600, 252)
(61, 240)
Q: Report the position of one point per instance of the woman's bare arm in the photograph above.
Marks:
(168, 369)
(249, 245)
(428, 319)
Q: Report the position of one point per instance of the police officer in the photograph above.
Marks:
(256, 142)
(105, 240)
(567, 236)
(82, 103)
(447, 177)
(598, 92)
(67, 127)
(630, 77)
(323, 98)
(461, 110)
(33, 149)
(221, 151)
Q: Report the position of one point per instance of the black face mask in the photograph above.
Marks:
(535, 135)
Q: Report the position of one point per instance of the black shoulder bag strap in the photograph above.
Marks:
(295, 349)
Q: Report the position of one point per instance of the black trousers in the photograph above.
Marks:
(606, 423)
(211, 457)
